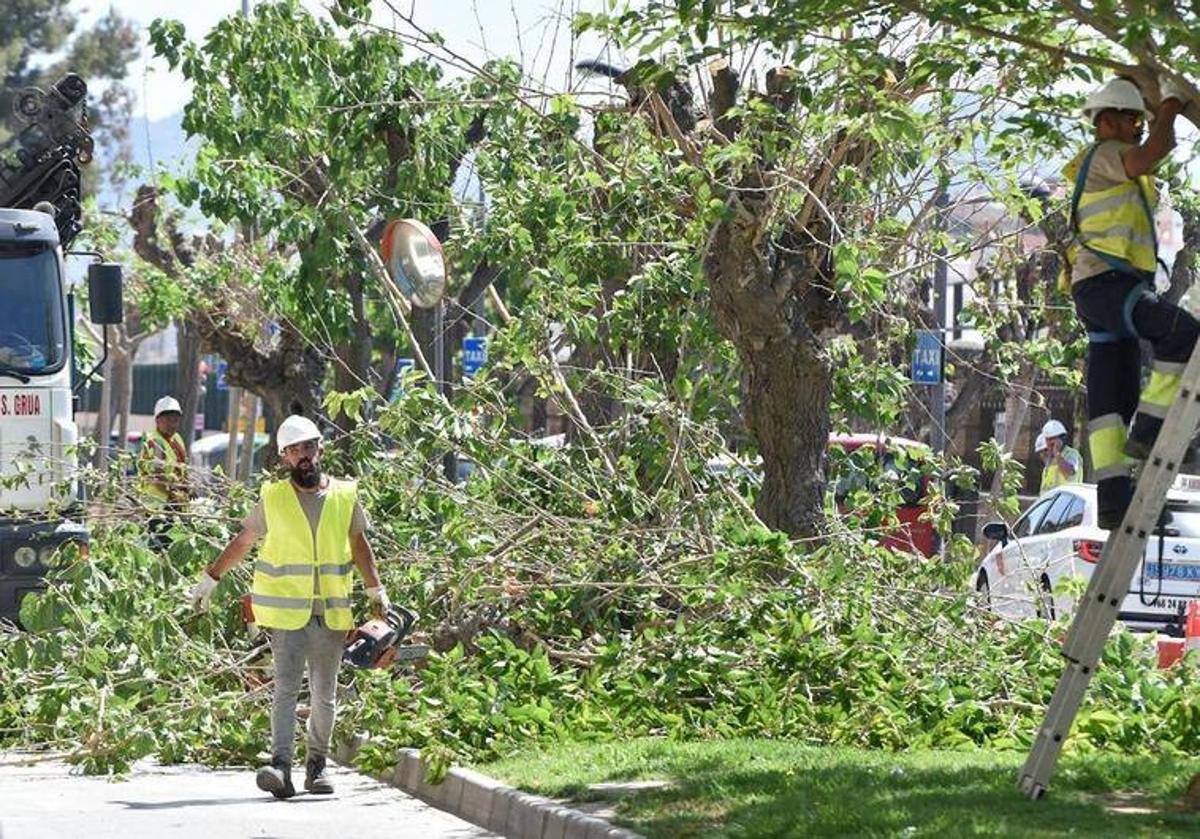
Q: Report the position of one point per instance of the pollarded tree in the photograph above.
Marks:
(819, 189)
(309, 147)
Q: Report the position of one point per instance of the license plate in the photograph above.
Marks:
(1172, 571)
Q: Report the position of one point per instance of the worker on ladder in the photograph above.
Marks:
(1061, 464)
(1111, 263)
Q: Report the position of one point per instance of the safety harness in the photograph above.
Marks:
(1141, 291)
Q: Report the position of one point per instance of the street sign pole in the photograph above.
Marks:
(938, 437)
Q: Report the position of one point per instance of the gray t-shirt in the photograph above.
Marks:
(1107, 170)
(311, 503)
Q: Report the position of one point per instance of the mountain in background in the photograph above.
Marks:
(157, 144)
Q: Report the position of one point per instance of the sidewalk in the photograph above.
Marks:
(44, 799)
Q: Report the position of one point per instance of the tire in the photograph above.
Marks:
(983, 592)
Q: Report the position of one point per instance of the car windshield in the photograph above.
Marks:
(32, 321)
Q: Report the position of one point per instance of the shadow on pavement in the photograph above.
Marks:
(217, 802)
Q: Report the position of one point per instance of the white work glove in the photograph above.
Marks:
(202, 592)
(377, 601)
(1172, 89)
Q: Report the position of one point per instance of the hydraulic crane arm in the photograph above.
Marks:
(41, 161)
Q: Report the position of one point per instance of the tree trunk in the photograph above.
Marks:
(353, 368)
(787, 391)
(1016, 411)
(188, 350)
(122, 395)
(104, 416)
(773, 308)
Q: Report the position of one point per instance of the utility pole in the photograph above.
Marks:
(938, 437)
(442, 365)
(245, 8)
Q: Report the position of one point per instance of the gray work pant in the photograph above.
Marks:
(291, 648)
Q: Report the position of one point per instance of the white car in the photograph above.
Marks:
(1057, 537)
(209, 452)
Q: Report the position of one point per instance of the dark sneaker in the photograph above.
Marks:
(276, 779)
(316, 780)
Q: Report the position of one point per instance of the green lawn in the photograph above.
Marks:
(764, 788)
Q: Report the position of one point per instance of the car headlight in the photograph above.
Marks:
(45, 553)
(25, 556)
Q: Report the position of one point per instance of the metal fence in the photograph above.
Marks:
(150, 381)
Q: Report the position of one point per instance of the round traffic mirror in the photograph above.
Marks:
(415, 261)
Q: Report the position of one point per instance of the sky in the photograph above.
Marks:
(536, 30)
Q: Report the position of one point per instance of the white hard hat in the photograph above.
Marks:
(296, 429)
(1054, 428)
(166, 405)
(1119, 94)
(1039, 445)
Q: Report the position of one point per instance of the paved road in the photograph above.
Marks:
(47, 800)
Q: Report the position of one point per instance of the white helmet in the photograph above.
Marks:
(1053, 429)
(1039, 445)
(1119, 94)
(167, 405)
(296, 429)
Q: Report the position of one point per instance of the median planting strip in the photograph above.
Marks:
(489, 803)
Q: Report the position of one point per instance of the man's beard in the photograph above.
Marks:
(306, 474)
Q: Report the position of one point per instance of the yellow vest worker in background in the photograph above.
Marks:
(314, 532)
(1061, 464)
(1111, 262)
(162, 471)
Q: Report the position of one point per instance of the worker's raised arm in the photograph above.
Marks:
(1142, 159)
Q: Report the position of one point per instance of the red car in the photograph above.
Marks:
(860, 466)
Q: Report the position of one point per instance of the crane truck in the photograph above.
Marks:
(41, 503)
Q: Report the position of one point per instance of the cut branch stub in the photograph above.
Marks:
(723, 97)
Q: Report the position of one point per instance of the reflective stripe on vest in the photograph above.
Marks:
(1115, 224)
(282, 592)
(156, 448)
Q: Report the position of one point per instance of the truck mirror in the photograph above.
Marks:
(105, 293)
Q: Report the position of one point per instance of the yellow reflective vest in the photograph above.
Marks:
(1116, 224)
(157, 450)
(1052, 476)
(282, 591)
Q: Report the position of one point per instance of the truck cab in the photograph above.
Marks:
(40, 501)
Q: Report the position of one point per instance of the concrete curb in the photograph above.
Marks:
(490, 804)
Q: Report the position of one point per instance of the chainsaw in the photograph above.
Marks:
(376, 644)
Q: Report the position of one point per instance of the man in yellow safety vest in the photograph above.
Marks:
(314, 532)
(1061, 463)
(1111, 264)
(162, 470)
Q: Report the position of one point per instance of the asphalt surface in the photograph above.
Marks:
(47, 799)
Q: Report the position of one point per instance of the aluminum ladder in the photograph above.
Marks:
(1111, 579)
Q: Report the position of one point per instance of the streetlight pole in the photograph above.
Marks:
(938, 437)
